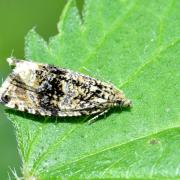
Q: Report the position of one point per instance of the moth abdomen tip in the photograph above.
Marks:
(127, 103)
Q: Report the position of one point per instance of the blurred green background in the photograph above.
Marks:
(17, 17)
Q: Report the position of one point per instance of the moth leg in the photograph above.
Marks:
(94, 119)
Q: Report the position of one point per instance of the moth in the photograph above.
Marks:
(48, 90)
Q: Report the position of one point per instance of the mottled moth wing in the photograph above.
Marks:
(48, 90)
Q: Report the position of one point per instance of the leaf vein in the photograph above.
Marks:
(53, 146)
(115, 146)
(150, 60)
(115, 25)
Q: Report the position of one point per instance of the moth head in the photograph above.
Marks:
(10, 95)
(14, 92)
(16, 97)
(4, 99)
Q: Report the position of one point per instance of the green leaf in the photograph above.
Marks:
(135, 45)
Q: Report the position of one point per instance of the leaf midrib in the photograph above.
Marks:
(111, 148)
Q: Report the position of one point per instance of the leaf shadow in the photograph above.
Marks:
(73, 120)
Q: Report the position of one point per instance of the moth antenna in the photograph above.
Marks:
(12, 62)
(12, 52)
(2, 80)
